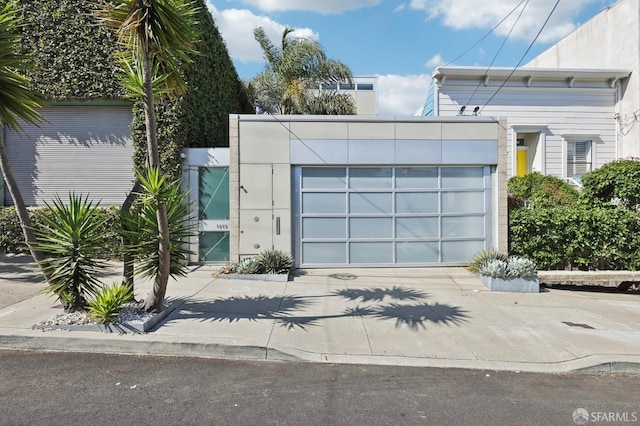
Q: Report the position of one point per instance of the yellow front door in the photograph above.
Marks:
(521, 162)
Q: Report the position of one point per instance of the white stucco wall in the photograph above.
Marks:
(611, 39)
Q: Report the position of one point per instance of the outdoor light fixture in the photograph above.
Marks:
(476, 110)
(462, 109)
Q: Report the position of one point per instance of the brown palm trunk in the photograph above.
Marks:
(155, 300)
(18, 201)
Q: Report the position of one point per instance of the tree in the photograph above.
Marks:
(17, 102)
(158, 37)
(291, 74)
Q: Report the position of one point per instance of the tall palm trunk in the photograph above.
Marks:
(18, 201)
(155, 300)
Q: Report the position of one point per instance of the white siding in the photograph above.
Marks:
(553, 111)
(81, 149)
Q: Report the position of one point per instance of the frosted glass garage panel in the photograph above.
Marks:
(370, 178)
(460, 251)
(417, 177)
(371, 227)
(324, 227)
(417, 252)
(324, 177)
(326, 202)
(462, 177)
(463, 227)
(380, 203)
(371, 252)
(416, 202)
(417, 227)
(463, 202)
(328, 253)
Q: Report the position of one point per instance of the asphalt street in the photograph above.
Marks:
(39, 388)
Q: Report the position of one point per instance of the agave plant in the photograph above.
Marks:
(107, 303)
(70, 237)
(140, 225)
(521, 267)
(249, 265)
(483, 256)
(274, 261)
(494, 268)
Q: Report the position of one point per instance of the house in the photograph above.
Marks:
(352, 190)
(561, 122)
(609, 40)
(363, 90)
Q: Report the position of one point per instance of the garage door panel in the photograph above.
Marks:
(416, 252)
(417, 202)
(371, 227)
(324, 227)
(417, 227)
(370, 202)
(460, 251)
(367, 253)
(324, 202)
(324, 253)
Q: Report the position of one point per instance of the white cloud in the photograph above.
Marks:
(456, 14)
(400, 8)
(320, 6)
(402, 94)
(435, 61)
(236, 27)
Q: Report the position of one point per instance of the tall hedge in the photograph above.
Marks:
(74, 60)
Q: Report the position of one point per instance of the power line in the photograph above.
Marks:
(498, 52)
(523, 56)
(486, 35)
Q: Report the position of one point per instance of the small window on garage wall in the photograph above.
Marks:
(579, 158)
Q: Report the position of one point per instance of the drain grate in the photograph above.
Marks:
(573, 324)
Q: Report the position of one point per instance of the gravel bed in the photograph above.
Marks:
(130, 314)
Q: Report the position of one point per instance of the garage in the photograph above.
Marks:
(391, 215)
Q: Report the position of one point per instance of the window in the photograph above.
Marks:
(578, 158)
(365, 86)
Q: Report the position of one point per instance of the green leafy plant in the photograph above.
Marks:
(107, 303)
(274, 261)
(483, 256)
(70, 238)
(539, 190)
(494, 268)
(141, 228)
(615, 183)
(249, 265)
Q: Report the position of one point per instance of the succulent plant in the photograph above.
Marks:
(494, 268)
(521, 267)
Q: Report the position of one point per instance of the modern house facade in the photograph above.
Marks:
(561, 122)
(354, 190)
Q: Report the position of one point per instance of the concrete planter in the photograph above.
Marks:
(512, 284)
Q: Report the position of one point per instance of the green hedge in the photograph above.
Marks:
(12, 239)
(582, 238)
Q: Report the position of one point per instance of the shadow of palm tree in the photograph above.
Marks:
(378, 294)
(415, 316)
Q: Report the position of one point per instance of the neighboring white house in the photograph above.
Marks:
(609, 40)
(560, 122)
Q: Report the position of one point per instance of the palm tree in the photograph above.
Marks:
(291, 74)
(17, 102)
(158, 36)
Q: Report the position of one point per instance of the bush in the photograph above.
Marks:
(570, 237)
(107, 303)
(615, 183)
(484, 256)
(541, 191)
(274, 262)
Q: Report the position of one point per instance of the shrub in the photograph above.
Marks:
(274, 261)
(249, 265)
(71, 237)
(483, 256)
(615, 183)
(521, 267)
(494, 268)
(107, 303)
(541, 191)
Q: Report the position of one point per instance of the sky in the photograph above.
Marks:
(403, 41)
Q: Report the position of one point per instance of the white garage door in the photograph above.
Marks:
(385, 216)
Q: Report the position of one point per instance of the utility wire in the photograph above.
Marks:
(486, 35)
(486, 73)
(522, 57)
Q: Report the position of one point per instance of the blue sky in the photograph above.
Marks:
(401, 41)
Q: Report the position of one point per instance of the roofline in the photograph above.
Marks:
(524, 72)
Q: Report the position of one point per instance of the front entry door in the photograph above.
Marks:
(213, 214)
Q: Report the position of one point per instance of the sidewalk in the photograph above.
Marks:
(436, 317)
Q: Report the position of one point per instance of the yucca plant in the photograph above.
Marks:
(71, 238)
(108, 301)
(274, 261)
(140, 225)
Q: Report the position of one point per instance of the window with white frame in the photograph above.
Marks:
(578, 158)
